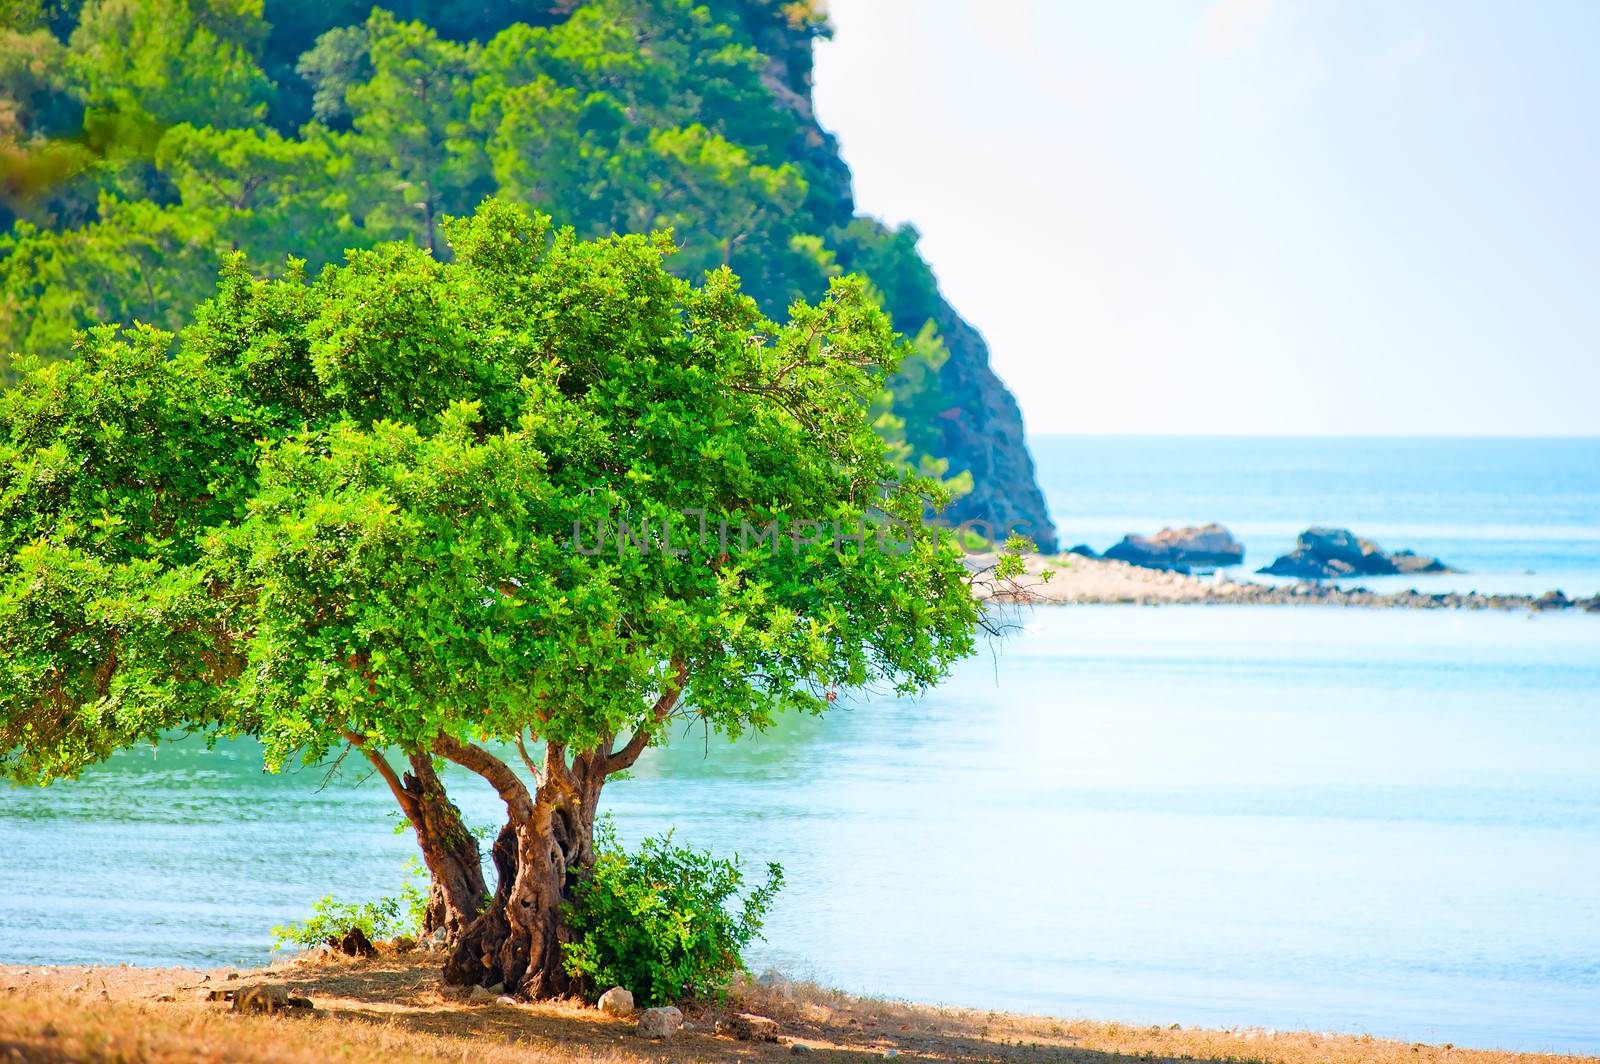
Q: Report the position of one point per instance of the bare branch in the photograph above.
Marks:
(408, 803)
(533, 769)
(625, 757)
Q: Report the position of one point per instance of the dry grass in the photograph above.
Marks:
(392, 1010)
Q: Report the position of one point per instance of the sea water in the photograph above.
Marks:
(1353, 820)
(1516, 515)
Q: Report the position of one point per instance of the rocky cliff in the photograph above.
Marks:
(982, 432)
(978, 424)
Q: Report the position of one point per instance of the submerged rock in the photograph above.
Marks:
(1330, 553)
(1306, 565)
(1406, 561)
(1179, 548)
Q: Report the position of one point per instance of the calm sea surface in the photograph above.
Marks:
(1516, 515)
(1383, 821)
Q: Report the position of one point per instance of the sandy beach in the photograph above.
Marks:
(393, 1009)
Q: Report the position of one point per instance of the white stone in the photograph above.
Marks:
(617, 1002)
(660, 1023)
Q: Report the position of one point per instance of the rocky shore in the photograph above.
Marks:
(1078, 580)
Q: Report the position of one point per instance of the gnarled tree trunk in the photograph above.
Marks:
(547, 841)
(517, 941)
(457, 893)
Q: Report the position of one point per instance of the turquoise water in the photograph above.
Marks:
(1519, 515)
(1379, 821)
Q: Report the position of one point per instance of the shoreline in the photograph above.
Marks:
(393, 1008)
(1081, 581)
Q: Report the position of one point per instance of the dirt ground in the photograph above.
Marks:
(393, 1009)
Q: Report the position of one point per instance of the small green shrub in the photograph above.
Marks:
(388, 917)
(662, 921)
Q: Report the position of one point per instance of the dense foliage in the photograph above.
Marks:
(434, 432)
(423, 503)
(662, 921)
(145, 139)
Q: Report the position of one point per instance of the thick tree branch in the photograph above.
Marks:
(556, 774)
(512, 791)
(625, 757)
(408, 802)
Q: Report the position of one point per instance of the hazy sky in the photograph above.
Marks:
(1247, 216)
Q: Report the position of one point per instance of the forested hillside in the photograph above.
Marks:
(142, 139)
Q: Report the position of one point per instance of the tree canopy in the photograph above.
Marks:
(543, 490)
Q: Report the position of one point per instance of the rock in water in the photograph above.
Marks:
(1179, 548)
(1551, 600)
(617, 1002)
(1330, 553)
(1406, 561)
(1336, 544)
(1304, 565)
(660, 1023)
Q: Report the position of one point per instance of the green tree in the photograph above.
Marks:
(548, 145)
(111, 466)
(170, 61)
(414, 157)
(36, 110)
(142, 153)
(32, 85)
(721, 204)
(341, 57)
(271, 195)
(139, 262)
(614, 116)
(22, 15)
(467, 527)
